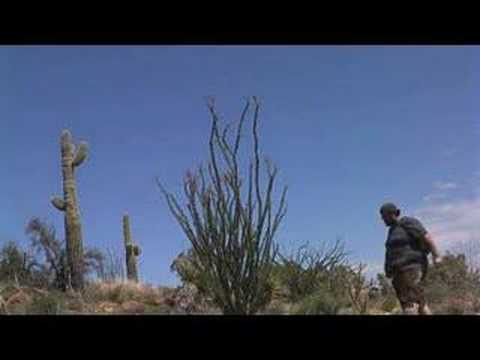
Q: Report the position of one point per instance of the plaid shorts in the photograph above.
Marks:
(409, 290)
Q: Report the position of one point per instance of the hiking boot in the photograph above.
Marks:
(425, 310)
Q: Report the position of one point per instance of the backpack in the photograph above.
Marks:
(422, 246)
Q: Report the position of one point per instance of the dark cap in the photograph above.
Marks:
(389, 208)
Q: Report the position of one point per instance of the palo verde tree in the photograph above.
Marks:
(230, 219)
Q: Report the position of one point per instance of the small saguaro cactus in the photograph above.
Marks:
(132, 251)
(72, 157)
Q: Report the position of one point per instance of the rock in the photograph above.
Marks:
(346, 311)
(106, 307)
(133, 307)
(158, 301)
(18, 298)
(187, 299)
(77, 306)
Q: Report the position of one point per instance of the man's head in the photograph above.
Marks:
(389, 213)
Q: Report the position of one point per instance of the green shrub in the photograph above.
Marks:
(277, 308)
(389, 303)
(452, 283)
(17, 266)
(321, 302)
(302, 272)
(451, 306)
(158, 309)
(51, 303)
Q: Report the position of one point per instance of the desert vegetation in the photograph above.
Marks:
(230, 213)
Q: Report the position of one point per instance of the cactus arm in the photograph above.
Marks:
(137, 251)
(126, 230)
(80, 154)
(58, 203)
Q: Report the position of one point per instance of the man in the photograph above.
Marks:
(407, 247)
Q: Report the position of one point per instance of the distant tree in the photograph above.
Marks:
(471, 250)
(50, 255)
(15, 264)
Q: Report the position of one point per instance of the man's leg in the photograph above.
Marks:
(398, 283)
(417, 287)
(409, 292)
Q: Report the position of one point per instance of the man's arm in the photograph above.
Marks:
(387, 269)
(433, 247)
(416, 229)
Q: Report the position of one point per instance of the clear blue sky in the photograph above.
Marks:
(348, 127)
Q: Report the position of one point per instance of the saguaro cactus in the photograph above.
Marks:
(71, 158)
(132, 251)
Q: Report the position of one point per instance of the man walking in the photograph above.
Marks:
(406, 260)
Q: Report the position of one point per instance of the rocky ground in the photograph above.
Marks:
(103, 298)
(131, 298)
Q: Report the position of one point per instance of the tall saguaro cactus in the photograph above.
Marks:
(72, 157)
(132, 251)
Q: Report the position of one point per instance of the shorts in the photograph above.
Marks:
(409, 289)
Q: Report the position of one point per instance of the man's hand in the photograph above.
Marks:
(437, 259)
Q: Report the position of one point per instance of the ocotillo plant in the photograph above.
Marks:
(230, 220)
(132, 251)
(71, 158)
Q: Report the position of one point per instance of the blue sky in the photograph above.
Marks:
(348, 127)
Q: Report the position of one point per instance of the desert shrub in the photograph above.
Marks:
(454, 273)
(320, 280)
(276, 308)
(20, 267)
(358, 289)
(388, 299)
(109, 292)
(13, 263)
(50, 256)
(120, 292)
(301, 272)
(450, 306)
(389, 303)
(385, 285)
(112, 267)
(230, 221)
(158, 309)
(51, 303)
(452, 284)
(325, 300)
(191, 271)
